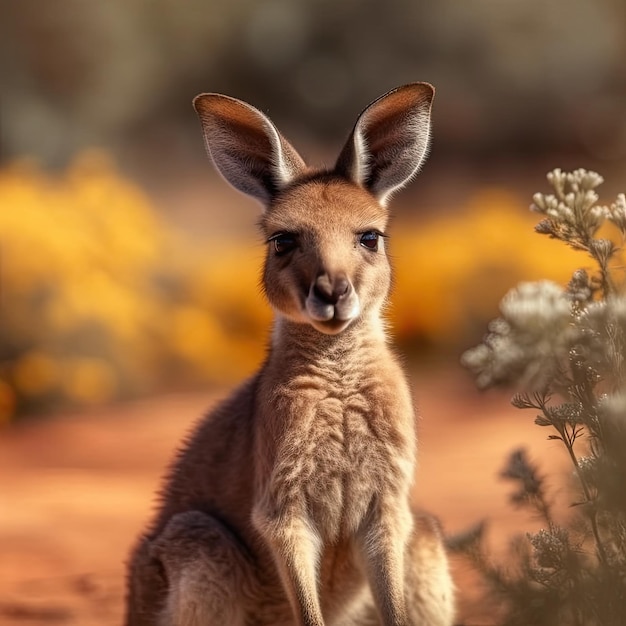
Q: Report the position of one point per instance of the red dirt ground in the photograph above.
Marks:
(76, 489)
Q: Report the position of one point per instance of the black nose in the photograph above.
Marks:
(331, 290)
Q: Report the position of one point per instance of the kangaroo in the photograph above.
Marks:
(290, 502)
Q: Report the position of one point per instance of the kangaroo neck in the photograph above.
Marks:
(297, 346)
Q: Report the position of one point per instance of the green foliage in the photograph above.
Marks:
(564, 349)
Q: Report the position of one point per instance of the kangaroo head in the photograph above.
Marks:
(326, 263)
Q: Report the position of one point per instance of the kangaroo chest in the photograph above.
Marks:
(334, 453)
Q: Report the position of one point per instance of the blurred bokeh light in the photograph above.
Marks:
(510, 76)
(127, 267)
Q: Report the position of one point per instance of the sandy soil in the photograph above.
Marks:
(75, 490)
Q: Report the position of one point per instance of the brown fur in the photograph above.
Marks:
(290, 503)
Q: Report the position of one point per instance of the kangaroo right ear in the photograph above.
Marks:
(389, 141)
(246, 147)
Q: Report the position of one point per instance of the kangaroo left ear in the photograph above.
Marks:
(389, 141)
(246, 147)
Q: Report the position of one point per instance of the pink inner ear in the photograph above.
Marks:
(246, 147)
(389, 141)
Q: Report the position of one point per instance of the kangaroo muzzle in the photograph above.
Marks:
(332, 300)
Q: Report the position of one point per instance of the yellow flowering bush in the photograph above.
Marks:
(101, 297)
(451, 270)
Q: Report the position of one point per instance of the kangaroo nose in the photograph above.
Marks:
(331, 290)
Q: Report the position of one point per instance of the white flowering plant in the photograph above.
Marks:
(563, 348)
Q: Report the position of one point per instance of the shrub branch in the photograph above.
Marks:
(564, 349)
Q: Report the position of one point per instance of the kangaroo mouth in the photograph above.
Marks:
(332, 326)
(331, 318)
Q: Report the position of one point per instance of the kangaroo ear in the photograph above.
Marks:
(389, 140)
(246, 147)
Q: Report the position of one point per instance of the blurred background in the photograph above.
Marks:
(129, 270)
(128, 267)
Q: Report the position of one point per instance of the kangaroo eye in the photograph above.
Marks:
(370, 239)
(283, 242)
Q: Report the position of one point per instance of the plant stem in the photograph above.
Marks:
(588, 497)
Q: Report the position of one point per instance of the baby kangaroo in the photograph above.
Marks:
(290, 503)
